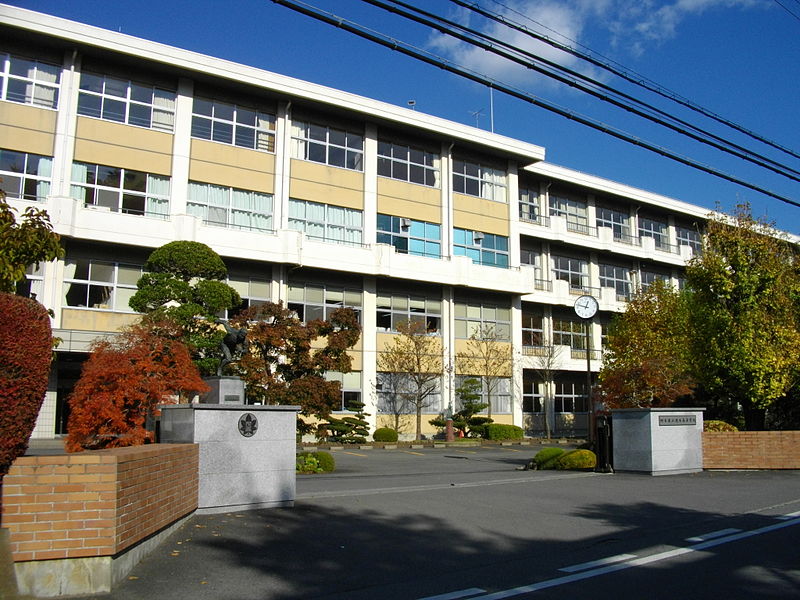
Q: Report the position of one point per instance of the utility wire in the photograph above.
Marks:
(620, 72)
(408, 50)
(531, 61)
(786, 8)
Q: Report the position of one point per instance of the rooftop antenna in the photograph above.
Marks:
(477, 114)
(412, 104)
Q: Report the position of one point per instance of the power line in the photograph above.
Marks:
(622, 72)
(786, 8)
(445, 26)
(427, 57)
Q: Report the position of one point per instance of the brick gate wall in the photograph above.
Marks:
(751, 450)
(96, 503)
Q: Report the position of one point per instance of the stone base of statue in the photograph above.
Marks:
(223, 390)
(658, 441)
(247, 453)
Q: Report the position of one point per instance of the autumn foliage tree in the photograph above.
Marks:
(647, 361)
(26, 348)
(286, 359)
(123, 382)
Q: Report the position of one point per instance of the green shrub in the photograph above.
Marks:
(718, 426)
(315, 462)
(546, 458)
(576, 460)
(385, 434)
(498, 431)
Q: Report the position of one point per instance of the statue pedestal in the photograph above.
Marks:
(224, 390)
(247, 453)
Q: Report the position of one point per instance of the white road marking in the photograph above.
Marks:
(598, 563)
(790, 515)
(636, 562)
(712, 535)
(456, 595)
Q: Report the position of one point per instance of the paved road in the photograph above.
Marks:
(463, 523)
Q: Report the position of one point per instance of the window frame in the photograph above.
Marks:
(688, 236)
(34, 83)
(98, 190)
(476, 316)
(480, 246)
(568, 274)
(416, 160)
(25, 178)
(574, 211)
(399, 232)
(305, 138)
(616, 220)
(111, 286)
(390, 306)
(501, 400)
(131, 103)
(204, 209)
(351, 298)
(262, 129)
(326, 222)
(656, 229)
(480, 180)
(617, 277)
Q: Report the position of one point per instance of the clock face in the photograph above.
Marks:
(586, 307)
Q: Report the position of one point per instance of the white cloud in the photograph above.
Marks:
(624, 27)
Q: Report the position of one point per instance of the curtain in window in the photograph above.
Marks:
(158, 186)
(45, 168)
(79, 173)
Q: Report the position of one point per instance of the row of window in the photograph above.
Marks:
(575, 211)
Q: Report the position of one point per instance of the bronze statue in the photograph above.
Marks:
(233, 344)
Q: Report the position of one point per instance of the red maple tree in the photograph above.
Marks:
(123, 382)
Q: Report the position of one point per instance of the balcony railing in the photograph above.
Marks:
(535, 219)
(578, 353)
(581, 228)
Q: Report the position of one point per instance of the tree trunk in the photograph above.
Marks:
(754, 418)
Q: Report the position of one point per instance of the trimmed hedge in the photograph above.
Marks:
(385, 434)
(315, 462)
(546, 457)
(576, 460)
(718, 426)
(498, 431)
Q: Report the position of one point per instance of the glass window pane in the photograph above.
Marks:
(141, 93)
(91, 83)
(102, 271)
(89, 105)
(128, 274)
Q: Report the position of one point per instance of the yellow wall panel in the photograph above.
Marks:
(104, 143)
(463, 347)
(403, 199)
(221, 164)
(95, 320)
(478, 214)
(320, 183)
(27, 129)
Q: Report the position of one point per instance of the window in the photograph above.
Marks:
(532, 327)
(395, 309)
(574, 211)
(647, 278)
(474, 318)
(29, 81)
(474, 179)
(33, 284)
(656, 230)
(500, 396)
(567, 332)
(575, 271)
(529, 206)
(327, 145)
(326, 222)
(617, 221)
(408, 163)
(351, 389)
(396, 391)
(230, 207)
(25, 176)
(121, 190)
(232, 124)
(619, 278)
(570, 397)
(532, 392)
(124, 101)
(99, 284)
(690, 237)
(410, 236)
(313, 301)
(251, 290)
(483, 248)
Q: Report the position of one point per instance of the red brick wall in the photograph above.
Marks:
(751, 449)
(96, 503)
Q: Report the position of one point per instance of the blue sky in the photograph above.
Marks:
(737, 58)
